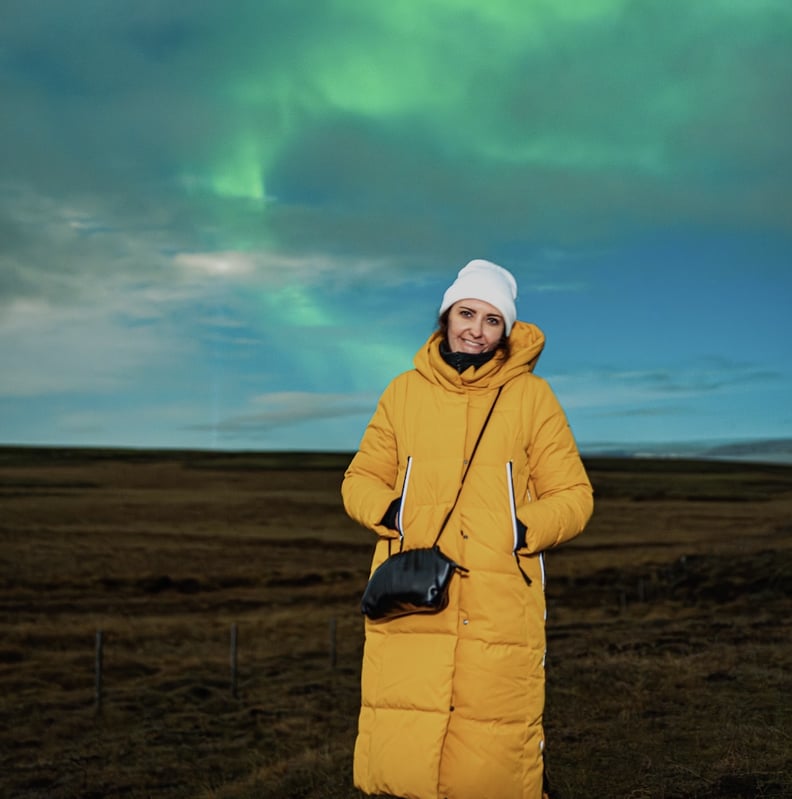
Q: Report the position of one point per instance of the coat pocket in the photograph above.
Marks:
(515, 523)
(512, 505)
(403, 501)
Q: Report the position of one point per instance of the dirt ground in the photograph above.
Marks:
(668, 627)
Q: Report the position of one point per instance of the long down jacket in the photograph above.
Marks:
(452, 702)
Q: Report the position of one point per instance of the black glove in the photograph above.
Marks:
(391, 517)
(521, 531)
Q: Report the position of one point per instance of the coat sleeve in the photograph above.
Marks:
(562, 498)
(369, 484)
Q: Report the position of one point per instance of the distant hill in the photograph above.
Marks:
(759, 451)
(776, 450)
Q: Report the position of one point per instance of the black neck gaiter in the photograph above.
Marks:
(463, 360)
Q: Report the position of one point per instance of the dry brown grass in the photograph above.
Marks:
(669, 629)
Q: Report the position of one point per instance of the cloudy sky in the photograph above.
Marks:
(230, 224)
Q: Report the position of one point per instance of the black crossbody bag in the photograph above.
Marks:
(416, 580)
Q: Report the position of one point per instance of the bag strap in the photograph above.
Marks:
(467, 467)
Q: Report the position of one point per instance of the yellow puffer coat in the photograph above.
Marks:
(452, 702)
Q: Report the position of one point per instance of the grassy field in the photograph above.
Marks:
(669, 665)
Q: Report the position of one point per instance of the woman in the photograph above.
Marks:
(452, 702)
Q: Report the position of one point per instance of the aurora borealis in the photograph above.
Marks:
(230, 224)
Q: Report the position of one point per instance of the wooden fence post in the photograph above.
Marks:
(98, 672)
(234, 637)
(333, 647)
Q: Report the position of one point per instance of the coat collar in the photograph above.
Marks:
(526, 343)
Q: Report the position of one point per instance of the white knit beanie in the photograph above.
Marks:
(483, 280)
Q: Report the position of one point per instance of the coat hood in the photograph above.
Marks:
(526, 342)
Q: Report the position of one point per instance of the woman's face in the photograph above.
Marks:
(474, 326)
